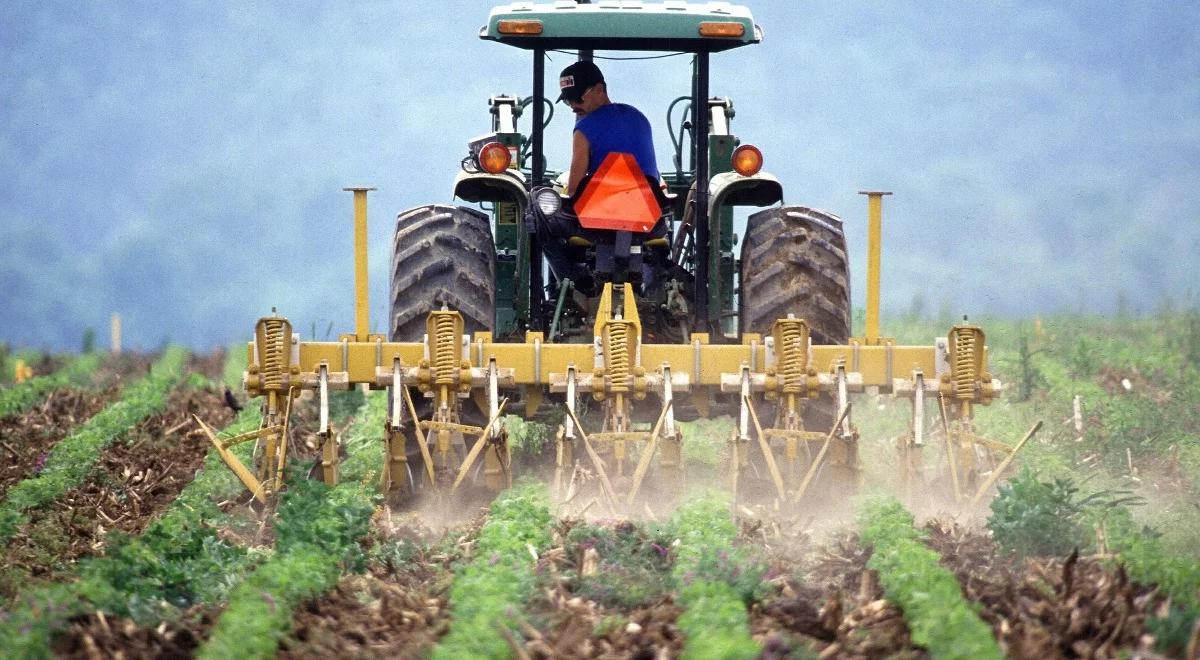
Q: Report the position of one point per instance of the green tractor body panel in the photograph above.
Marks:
(673, 25)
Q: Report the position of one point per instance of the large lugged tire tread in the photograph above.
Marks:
(794, 262)
(442, 255)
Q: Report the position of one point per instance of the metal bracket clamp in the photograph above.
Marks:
(588, 382)
(572, 397)
(743, 411)
(918, 408)
(323, 388)
(667, 399)
(843, 398)
(493, 393)
(396, 395)
(760, 382)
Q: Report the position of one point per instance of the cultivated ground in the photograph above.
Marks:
(124, 537)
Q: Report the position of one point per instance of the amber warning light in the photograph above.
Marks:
(747, 160)
(520, 27)
(722, 29)
(494, 157)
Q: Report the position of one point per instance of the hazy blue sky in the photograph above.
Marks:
(182, 162)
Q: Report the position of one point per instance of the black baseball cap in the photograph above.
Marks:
(577, 78)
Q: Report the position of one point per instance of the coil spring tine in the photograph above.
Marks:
(274, 361)
(445, 351)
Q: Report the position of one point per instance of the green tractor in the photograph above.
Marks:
(489, 265)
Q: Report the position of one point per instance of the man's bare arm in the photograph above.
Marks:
(579, 161)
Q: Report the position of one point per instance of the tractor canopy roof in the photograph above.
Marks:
(671, 25)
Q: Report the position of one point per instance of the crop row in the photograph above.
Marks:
(23, 396)
(177, 561)
(929, 595)
(73, 458)
(317, 534)
(714, 581)
(1148, 562)
(499, 580)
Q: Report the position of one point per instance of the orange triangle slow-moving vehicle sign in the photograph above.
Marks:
(618, 197)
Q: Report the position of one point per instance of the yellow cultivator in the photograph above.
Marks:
(457, 375)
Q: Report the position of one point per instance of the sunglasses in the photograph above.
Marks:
(578, 99)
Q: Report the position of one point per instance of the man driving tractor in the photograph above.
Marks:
(602, 127)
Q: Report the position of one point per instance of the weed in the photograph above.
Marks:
(633, 565)
(1034, 517)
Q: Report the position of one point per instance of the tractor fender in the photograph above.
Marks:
(475, 187)
(733, 189)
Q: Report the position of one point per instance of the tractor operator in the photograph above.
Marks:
(602, 127)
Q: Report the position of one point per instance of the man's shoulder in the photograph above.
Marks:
(626, 109)
(611, 116)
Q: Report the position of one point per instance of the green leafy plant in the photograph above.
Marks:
(912, 577)
(527, 438)
(1035, 517)
(715, 581)
(488, 592)
(317, 533)
(1141, 550)
(633, 564)
(176, 562)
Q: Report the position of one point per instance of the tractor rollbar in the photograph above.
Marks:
(701, 249)
(536, 286)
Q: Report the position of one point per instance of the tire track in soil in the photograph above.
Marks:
(134, 481)
(838, 610)
(27, 439)
(1048, 608)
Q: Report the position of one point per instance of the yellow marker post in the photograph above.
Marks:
(362, 316)
(874, 247)
(22, 372)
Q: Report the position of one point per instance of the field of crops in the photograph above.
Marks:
(124, 536)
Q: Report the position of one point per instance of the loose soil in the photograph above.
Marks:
(133, 482)
(1049, 608)
(829, 603)
(27, 439)
(395, 610)
(101, 636)
(566, 623)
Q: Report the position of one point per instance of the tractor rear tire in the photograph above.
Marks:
(442, 255)
(794, 262)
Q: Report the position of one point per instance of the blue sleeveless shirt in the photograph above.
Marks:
(621, 128)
